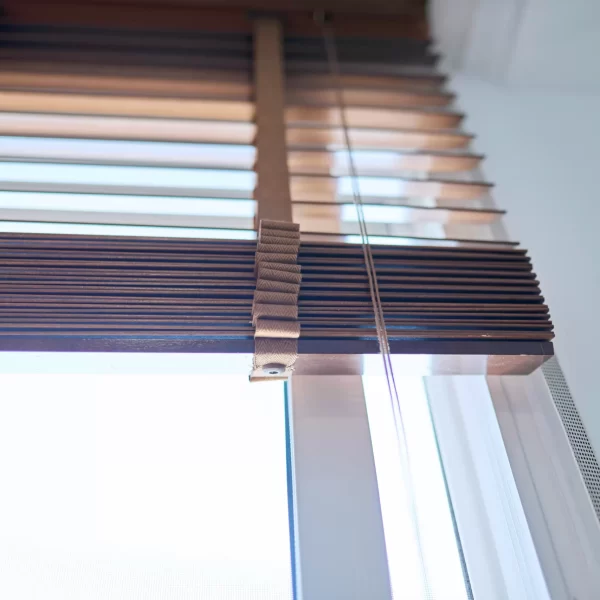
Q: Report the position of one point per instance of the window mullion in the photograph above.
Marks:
(340, 550)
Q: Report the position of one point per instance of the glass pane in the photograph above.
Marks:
(107, 176)
(127, 230)
(141, 486)
(400, 241)
(119, 203)
(417, 520)
(165, 153)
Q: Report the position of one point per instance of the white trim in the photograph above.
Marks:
(558, 507)
(501, 559)
(341, 551)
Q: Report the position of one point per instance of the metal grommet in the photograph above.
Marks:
(274, 369)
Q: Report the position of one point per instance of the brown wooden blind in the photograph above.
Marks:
(150, 135)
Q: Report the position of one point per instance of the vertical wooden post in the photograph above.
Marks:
(272, 192)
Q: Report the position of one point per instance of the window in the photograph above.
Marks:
(125, 483)
(422, 547)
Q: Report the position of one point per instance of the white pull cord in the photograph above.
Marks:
(384, 346)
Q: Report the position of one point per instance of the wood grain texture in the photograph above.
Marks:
(272, 191)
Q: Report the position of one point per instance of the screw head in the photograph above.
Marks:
(274, 369)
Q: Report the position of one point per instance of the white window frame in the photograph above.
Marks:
(527, 526)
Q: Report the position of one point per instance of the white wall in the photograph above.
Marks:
(543, 153)
(532, 97)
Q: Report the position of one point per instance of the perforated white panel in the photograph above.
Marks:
(578, 438)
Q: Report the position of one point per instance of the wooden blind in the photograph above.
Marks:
(139, 130)
(139, 138)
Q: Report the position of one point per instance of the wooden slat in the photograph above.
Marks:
(392, 82)
(126, 219)
(226, 17)
(243, 270)
(206, 84)
(128, 153)
(188, 323)
(246, 249)
(372, 117)
(389, 163)
(125, 40)
(375, 139)
(312, 281)
(114, 57)
(405, 213)
(121, 70)
(392, 235)
(326, 189)
(368, 97)
(122, 128)
(131, 106)
(329, 230)
(415, 66)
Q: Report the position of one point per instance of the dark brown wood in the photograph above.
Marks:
(372, 117)
(272, 191)
(121, 289)
(185, 16)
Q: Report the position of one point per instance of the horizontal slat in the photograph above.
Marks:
(307, 309)
(397, 235)
(231, 324)
(330, 189)
(124, 152)
(222, 110)
(218, 288)
(206, 84)
(223, 17)
(160, 219)
(396, 213)
(359, 50)
(372, 117)
(159, 72)
(205, 182)
(156, 41)
(393, 82)
(246, 250)
(48, 202)
(37, 226)
(378, 163)
(375, 139)
(134, 106)
(246, 279)
(134, 58)
(126, 179)
(400, 213)
(418, 67)
(101, 293)
(220, 333)
(121, 128)
(236, 156)
(224, 227)
(368, 97)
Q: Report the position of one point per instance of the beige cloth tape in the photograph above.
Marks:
(278, 275)
(275, 306)
(274, 311)
(270, 285)
(279, 226)
(288, 268)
